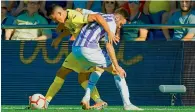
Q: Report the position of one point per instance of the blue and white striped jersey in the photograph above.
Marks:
(92, 33)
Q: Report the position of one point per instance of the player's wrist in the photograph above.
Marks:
(117, 67)
(109, 33)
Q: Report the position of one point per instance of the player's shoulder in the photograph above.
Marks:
(72, 13)
(70, 10)
(111, 22)
(107, 15)
(110, 18)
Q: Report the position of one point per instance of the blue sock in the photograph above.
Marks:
(94, 77)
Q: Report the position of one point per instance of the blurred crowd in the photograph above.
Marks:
(141, 12)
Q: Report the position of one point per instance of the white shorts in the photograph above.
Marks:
(88, 57)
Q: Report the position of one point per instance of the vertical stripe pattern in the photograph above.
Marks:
(91, 33)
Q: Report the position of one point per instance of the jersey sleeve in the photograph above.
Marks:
(112, 26)
(76, 17)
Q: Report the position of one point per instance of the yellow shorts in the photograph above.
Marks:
(72, 63)
(111, 69)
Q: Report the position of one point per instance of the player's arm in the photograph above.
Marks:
(111, 52)
(85, 11)
(65, 33)
(100, 20)
(79, 18)
(60, 27)
(76, 18)
(57, 41)
(117, 36)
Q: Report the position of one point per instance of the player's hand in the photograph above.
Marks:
(121, 72)
(60, 27)
(111, 38)
(117, 39)
(56, 42)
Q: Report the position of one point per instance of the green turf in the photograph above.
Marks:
(70, 108)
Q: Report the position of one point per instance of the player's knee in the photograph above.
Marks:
(99, 70)
(63, 72)
(111, 69)
(82, 77)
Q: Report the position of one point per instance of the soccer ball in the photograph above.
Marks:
(37, 101)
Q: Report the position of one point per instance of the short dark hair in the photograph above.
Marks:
(122, 12)
(52, 8)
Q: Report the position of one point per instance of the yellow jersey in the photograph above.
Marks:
(75, 21)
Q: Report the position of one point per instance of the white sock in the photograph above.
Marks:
(94, 77)
(123, 89)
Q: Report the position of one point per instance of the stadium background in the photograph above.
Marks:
(30, 67)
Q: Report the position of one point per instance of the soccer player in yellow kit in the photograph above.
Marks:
(73, 21)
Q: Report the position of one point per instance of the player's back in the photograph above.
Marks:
(75, 21)
(92, 33)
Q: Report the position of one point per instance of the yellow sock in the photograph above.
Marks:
(54, 88)
(95, 94)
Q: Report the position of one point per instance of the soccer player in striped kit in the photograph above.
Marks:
(87, 51)
(71, 21)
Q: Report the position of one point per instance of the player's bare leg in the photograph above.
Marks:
(99, 103)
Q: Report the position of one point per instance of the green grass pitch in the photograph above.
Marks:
(77, 108)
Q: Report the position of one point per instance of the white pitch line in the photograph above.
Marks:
(68, 108)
